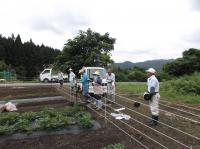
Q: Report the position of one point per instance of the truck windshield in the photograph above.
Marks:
(46, 71)
(91, 71)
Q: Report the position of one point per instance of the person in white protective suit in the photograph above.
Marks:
(110, 78)
(72, 77)
(98, 89)
(153, 90)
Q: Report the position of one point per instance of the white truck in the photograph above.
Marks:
(90, 71)
(48, 75)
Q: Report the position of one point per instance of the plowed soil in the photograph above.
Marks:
(108, 133)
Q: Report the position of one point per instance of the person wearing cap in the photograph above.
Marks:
(110, 77)
(84, 80)
(97, 88)
(71, 78)
(153, 89)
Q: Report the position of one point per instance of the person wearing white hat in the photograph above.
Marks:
(72, 78)
(110, 77)
(153, 90)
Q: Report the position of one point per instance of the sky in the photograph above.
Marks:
(144, 29)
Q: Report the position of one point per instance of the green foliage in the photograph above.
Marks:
(47, 119)
(6, 129)
(156, 64)
(115, 146)
(8, 118)
(84, 120)
(184, 85)
(86, 49)
(135, 74)
(184, 89)
(26, 59)
(3, 66)
(188, 64)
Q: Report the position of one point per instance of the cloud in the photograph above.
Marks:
(193, 37)
(58, 23)
(195, 5)
(135, 52)
(144, 29)
(135, 55)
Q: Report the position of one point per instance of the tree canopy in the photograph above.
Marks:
(26, 59)
(188, 64)
(88, 48)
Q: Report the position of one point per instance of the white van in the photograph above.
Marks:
(48, 75)
(90, 71)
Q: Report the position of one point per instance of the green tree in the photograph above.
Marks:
(87, 49)
(188, 64)
(2, 53)
(137, 74)
(3, 66)
(26, 59)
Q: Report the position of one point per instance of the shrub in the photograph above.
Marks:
(184, 85)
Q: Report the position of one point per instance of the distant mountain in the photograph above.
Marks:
(157, 64)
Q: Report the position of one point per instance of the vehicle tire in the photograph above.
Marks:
(46, 80)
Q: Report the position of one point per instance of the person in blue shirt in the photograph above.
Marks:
(84, 81)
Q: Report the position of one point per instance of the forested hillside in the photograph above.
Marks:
(25, 59)
(157, 64)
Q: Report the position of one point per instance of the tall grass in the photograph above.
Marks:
(185, 89)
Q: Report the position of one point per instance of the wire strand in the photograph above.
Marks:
(163, 123)
(161, 110)
(160, 133)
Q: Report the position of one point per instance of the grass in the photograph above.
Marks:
(114, 146)
(7, 97)
(170, 95)
(136, 88)
(47, 119)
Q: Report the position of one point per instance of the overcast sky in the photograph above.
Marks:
(144, 29)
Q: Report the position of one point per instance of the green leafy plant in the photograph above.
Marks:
(84, 120)
(47, 119)
(115, 146)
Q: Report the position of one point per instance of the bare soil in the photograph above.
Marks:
(88, 139)
(109, 134)
(19, 92)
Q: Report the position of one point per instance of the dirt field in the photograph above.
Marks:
(109, 134)
(18, 92)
